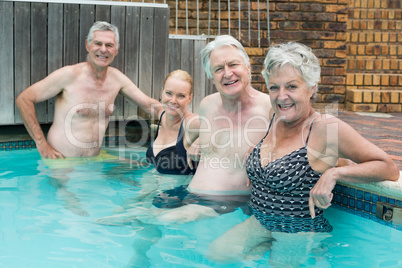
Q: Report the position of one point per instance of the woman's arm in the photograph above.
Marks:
(372, 163)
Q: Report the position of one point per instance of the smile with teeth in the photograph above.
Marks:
(230, 83)
(285, 106)
(172, 107)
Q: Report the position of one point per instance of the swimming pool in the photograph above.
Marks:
(50, 221)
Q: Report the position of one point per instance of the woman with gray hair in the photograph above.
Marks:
(293, 169)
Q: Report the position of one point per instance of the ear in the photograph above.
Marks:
(117, 50)
(249, 72)
(87, 45)
(191, 97)
(312, 91)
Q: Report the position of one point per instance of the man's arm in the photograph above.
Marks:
(190, 138)
(38, 92)
(146, 103)
(192, 130)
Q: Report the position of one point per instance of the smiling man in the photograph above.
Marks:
(232, 120)
(84, 98)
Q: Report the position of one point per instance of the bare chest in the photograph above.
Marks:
(232, 135)
(87, 99)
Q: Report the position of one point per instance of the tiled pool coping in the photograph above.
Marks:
(363, 202)
(346, 197)
(29, 144)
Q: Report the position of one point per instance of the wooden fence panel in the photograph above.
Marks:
(132, 44)
(6, 67)
(102, 13)
(71, 34)
(145, 55)
(22, 53)
(55, 45)
(87, 18)
(39, 52)
(187, 54)
(174, 54)
(160, 52)
(199, 76)
(118, 17)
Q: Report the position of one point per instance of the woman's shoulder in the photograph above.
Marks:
(328, 127)
(322, 120)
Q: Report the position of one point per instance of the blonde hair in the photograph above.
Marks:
(182, 75)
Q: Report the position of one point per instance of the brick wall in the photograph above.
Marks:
(355, 40)
(374, 56)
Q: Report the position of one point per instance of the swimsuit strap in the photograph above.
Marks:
(159, 123)
(311, 126)
(270, 124)
(180, 134)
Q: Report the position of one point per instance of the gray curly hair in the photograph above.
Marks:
(297, 55)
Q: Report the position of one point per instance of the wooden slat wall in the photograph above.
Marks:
(184, 53)
(132, 51)
(37, 38)
(22, 55)
(55, 46)
(6, 63)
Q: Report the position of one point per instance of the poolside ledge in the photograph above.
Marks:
(391, 189)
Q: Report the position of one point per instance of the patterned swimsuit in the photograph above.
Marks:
(281, 190)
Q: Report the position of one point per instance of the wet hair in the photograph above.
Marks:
(294, 54)
(221, 41)
(183, 76)
(103, 26)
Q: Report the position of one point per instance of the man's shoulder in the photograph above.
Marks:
(261, 96)
(209, 105)
(211, 96)
(66, 74)
(210, 100)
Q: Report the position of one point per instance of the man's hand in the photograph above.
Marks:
(47, 151)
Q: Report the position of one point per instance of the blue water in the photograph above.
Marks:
(48, 222)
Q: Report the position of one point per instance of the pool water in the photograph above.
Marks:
(48, 219)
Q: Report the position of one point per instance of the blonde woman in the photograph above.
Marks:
(168, 151)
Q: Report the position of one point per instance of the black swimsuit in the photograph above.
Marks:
(171, 160)
(281, 191)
